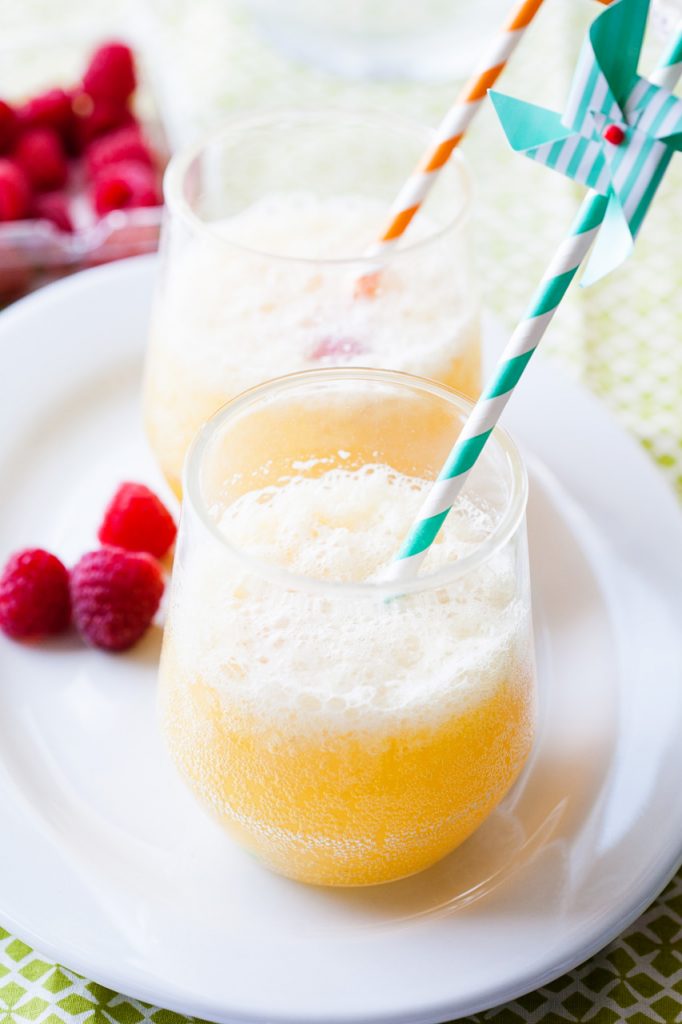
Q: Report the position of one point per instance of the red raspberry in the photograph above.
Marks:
(125, 186)
(126, 144)
(34, 595)
(96, 117)
(55, 207)
(15, 191)
(8, 126)
(137, 520)
(338, 348)
(41, 156)
(51, 109)
(115, 595)
(110, 75)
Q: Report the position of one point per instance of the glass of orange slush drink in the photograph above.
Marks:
(264, 268)
(345, 732)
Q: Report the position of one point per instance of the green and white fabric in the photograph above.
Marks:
(621, 338)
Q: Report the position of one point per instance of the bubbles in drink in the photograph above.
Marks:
(233, 315)
(347, 737)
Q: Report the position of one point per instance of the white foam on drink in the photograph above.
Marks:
(231, 316)
(331, 661)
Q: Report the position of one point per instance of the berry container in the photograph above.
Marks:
(35, 251)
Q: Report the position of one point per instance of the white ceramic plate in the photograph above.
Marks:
(107, 865)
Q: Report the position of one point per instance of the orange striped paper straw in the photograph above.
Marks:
(451, 130)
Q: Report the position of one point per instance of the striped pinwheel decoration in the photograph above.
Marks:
(617, 134)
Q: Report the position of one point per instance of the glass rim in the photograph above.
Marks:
(501, 534)
(178, 206)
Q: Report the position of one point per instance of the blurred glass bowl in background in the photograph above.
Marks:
(429, 40)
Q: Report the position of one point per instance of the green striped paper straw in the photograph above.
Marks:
(515, 357)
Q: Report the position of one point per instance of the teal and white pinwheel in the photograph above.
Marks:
(617, 134)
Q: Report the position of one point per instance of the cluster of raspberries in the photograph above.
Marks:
(112, 593)
(51, 142)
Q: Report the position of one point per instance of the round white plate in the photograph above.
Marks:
(107, 865)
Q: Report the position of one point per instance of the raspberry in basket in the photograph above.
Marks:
(51, 109)
(111, 73)
(125, 186)
(125, 144)
(96, 117)
(41, 156)
(15, 191)
(8, 127)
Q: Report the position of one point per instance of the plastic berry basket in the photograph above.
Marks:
(35, 251)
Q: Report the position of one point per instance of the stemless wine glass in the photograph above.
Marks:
(262, 269)
(346, 733)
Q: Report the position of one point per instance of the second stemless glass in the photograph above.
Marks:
(262, 252)
(345, 733)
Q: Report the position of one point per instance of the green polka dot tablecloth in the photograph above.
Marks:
(622, 339)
